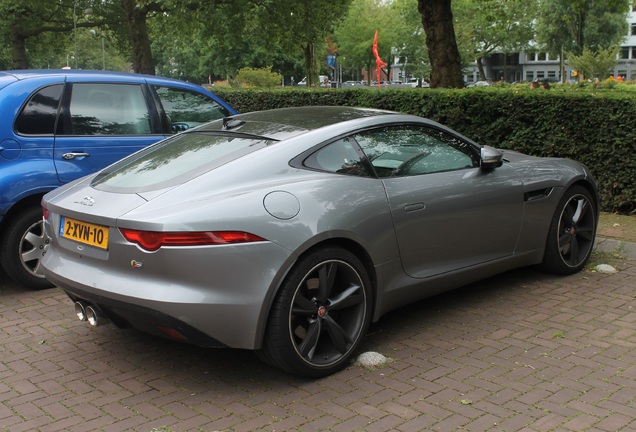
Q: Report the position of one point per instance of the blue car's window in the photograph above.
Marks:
(188, 109)
(40, 112)
(109, 109)
(175, 161)
(412, 150)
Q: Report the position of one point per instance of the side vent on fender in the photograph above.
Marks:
(537, 195)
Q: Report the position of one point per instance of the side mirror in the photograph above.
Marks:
(490, 158)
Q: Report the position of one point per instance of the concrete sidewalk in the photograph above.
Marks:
(524, 351)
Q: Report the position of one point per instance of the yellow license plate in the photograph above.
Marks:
(84, 232)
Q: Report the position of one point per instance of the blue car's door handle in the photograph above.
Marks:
(69, 156)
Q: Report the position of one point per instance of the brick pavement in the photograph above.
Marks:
(524, 351)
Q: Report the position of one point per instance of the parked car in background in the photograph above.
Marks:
(59, 125)
(288, 231)
(323, 80)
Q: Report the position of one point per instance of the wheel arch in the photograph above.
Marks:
(591, 188)
(348, 244)
(33, 200)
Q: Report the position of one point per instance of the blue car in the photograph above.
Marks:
(59, 125)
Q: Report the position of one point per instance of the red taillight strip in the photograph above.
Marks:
(153, 240)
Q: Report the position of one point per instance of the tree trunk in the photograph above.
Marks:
(311, 65)
(446, 67)
(480, 68)
(141, 53)
(18, 46)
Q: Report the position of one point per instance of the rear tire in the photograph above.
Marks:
(572, 232)
(320, 315)
(24, 243)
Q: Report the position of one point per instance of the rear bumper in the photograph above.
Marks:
(211, 299)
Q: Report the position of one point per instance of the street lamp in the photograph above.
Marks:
(94, 33)
(72, 54)
(74, 32)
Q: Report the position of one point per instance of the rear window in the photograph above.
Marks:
(175, 161)
(40, 113)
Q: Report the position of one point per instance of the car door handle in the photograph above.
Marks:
(414, 207)
(69, 156)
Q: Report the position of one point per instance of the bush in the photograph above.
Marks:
(594, 126)
(263, 77)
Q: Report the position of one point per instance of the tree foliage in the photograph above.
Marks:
(573, 25)
(258, 77)
(303, 25)
(354, 35)
(594, 64)
(495, 25)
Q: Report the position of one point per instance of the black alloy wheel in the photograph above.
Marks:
(321, 314)
(572, 232)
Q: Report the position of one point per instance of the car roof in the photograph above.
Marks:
(6, 77)
(285, 123)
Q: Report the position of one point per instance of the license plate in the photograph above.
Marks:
(84, 232)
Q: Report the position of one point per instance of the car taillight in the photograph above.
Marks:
(153, 240)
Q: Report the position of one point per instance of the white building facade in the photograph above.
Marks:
(531, 66)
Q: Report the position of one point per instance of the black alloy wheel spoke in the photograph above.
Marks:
(346, 298)
(564, 240)
(327, 275)
(579, 212)
(308, 346)
(337, 334)
(574, 251)
(568, 216)
(585, 233)
(303, 306)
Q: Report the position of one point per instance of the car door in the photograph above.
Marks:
(448, 213)
(100, 124)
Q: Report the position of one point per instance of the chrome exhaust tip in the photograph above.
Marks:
(80, 310)
(94, 316)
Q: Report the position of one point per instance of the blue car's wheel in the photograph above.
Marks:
(320, 315)
(24, 243)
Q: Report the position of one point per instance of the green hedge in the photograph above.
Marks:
(596, 127)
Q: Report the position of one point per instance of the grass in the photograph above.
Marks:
(615, 226)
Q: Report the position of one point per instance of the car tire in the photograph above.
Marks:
(24, 243)
(320, 315)
(572, 232)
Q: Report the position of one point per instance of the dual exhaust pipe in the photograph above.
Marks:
(90, 313)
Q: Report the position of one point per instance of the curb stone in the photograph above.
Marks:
(625, 249)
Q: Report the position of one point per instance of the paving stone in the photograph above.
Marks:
(523, 351)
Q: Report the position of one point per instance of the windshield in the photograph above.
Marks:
(175, 161)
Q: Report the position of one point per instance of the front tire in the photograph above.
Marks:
(24, 243)
(320, 314)
(572, 232)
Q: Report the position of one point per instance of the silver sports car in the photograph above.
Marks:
(288, 231)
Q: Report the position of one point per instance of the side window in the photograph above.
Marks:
(109, 109)
(410, 150)
(188, 109)
(40, 113)
(338, 157)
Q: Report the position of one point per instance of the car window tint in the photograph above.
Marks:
(40, 112)
(411, 150)
(109, 109)
(188, 109)
(175, 161)
(338, 157)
